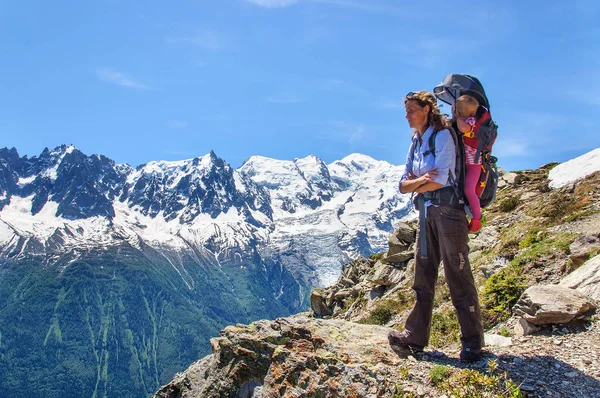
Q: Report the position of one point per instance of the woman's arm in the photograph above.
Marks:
(428, 187)
(416, 184)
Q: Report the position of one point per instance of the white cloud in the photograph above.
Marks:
(273, 3)
(112, 76)
(177, 124)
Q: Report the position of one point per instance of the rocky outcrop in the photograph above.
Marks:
(581, 249)
(367, 277)
(551, 304)
(296, 357)
(585, 279)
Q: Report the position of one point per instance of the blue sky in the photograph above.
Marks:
(157, 80)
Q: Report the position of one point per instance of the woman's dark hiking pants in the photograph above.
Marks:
(446, 241)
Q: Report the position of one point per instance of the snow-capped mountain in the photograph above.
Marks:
(311, 215)
(148, 263)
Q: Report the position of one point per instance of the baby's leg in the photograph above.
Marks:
(471, 180)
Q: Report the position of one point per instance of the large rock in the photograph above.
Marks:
(511, 178)
(385, 275)
(296, 357)
(524, 328)
(552, 304)
(492, 339)
(318, 303)
(401, 239)
(585, 279)
(581, 248)
(399, 258)
(395, 245)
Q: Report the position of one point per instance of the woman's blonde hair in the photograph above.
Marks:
(435, 118)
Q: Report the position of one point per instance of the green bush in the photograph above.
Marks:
(439, 374)
(501, 291)
(377, 256)
(509, 204)
(533, 236)
(381, 314)
(444, 328)
(470, 383)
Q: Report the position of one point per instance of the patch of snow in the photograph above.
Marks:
(574, 169)
(26, 180)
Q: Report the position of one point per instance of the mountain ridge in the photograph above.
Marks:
(115, 264)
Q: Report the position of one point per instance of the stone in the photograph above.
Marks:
(345, 293)
(405, 233)
(376, 292)
(511, 178)
(581, 248)
(585, 279)
(317, 303)
(487, 238)
(524, 328)
(399, 257)
(552, 304)
(384, 274)
(497, 340)
(529, 195)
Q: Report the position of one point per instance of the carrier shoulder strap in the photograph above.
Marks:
(431, 143)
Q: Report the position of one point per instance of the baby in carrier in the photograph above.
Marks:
(469, 116)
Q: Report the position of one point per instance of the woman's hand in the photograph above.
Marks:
(430, 175)
(426, 179)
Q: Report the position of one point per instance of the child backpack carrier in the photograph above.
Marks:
(485, 131)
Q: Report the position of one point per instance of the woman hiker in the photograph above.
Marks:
(442, 232)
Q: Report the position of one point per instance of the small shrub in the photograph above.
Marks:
(444, 328)
(377, 256)
(400, 393)
(501, 291)
(382, 313)
(557, 205)
(404, 371)
(580, 214)
(439, 374)
(469, 383)
(533, 236)
(504, 332)
(508, 204)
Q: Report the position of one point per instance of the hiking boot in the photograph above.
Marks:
(401, 340)
(470, 355)
(474, 226)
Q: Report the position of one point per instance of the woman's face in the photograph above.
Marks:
(416, 116)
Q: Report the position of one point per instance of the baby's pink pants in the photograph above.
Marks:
(471, 180)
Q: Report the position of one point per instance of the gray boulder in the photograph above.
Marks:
(318, 304)
(385, 275)
(552, 304)
(398, 258)
(581, 248)
(585, 279)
